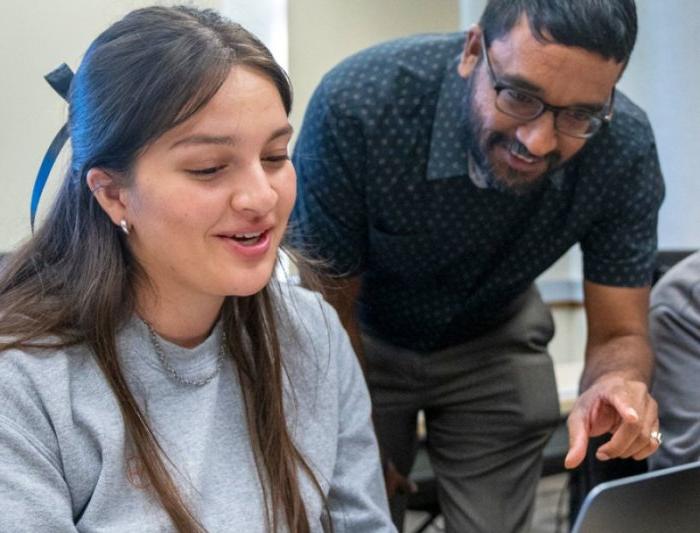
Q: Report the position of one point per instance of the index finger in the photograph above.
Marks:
(578, 440)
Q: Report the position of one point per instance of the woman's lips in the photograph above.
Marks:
(249, 244)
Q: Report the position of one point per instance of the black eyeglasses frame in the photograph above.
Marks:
(597, 119)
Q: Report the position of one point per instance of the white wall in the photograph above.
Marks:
(664, 78)
(267, 19)
(470, 11)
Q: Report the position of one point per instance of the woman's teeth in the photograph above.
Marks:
(248, 238)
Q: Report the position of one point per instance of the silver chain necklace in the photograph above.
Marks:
(174, 374)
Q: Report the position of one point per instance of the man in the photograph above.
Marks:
(439, 178)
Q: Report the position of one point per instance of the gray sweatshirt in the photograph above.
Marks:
(65, 464)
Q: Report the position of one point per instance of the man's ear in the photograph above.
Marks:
(111, 197)
(471, 53)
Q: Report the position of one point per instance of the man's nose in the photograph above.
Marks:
(539, 135)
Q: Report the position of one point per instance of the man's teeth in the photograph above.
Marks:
(522, 157)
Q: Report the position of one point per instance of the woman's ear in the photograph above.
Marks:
(112, 198)
(472, 51)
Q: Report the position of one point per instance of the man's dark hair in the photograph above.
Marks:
(606, 27)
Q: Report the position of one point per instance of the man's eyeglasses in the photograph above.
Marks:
(573, 121)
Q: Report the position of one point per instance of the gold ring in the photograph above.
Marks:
(658, 437)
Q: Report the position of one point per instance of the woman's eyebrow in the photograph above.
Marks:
(226, 140)
(204, 139)
(281, 132)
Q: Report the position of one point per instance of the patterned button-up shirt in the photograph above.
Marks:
(384, 192)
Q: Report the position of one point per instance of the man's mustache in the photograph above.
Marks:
(516, 147)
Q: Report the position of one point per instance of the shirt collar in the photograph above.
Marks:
(449, 153)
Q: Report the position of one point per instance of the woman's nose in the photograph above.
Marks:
(255, 196)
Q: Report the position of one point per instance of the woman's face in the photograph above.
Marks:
(210, 199)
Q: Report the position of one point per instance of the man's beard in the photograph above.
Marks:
(481, 143)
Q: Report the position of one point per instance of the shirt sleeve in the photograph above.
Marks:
(357, 497)
(674, 329)
(329, 218)
(33, 492)
(621, 247)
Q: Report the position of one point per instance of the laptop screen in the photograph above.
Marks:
(662, 501)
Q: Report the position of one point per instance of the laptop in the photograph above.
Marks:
(662, 501)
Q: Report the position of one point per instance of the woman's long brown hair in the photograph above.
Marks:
(73, 281)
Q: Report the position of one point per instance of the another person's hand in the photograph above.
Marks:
(619, 406)
(395, 482)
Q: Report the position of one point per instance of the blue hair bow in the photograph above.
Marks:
(60, 79)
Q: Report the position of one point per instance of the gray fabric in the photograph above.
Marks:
(64, 460)
(675, 334)
(490, 405)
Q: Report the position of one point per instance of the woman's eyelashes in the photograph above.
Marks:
(276, 158)
(206, 171)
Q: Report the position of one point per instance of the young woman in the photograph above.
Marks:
(153, 377)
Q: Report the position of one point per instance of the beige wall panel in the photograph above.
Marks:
(322, 32)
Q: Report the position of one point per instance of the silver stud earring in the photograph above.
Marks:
(124, 226)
